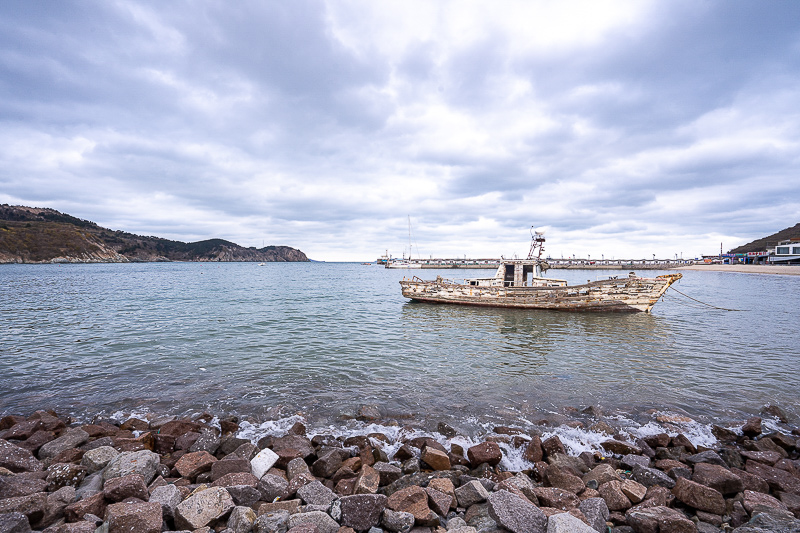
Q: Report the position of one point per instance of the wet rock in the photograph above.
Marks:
(362, 511)
(485, 452)
(629, 461)
(776, 478)
(436, 459)
(63, 474)
(322, 521)
(768, 458)
(14, 523)
(620, 448)
(140, 517)
(775, 411)
(718, 478)
(553, 446)
(752, 428)
(168, 496)
(130, 486)
(17, 459)
(650, 476)
(71, 438)
(13, 486)
(397, 521)
(557, 477)
(566, 523)
(176, 428)
(272, 522)
(707, 457)
(328, 463)
(596, 512)
(262, 462)
(659, 520)
(413, 500)
(144, 463)
(192, 464)
(556, 498)
(202, 507)
(615, 499)
(241, 520)
(602, 473)
(300, 444)
(533, 450)
(566, 462)
(471, 493)
(516, 514)
(367, 482)
(699, 496)
(315, 493)
(271, 487)
(97, 458)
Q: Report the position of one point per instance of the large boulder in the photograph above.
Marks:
(143, 462)
(322, 521)
(516, 514)
(18, 459)
(699, 496)
(485, 452)
(659, 520)
(198, 510)
(413, 500)
(71, 438)
(134, 517)
(361, 511)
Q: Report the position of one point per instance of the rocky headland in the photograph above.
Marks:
(160, 473)
(42, 235)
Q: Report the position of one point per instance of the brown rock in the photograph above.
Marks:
(533, 450)
(130, 486)
(768, 458)
(681, 440)
(602, 473)
(562, 479)
(140, 517)
(235, 479)
(620, 448)
(95, 504)
(757, 501)
(552, 446)
(176, 428)
(64, 474)
(186, 441)
(718, 478)
(659, 520)
(555, 497)
(368, 481)
(14, 486)
(485, 452)
(752, 427)
(615, 499)
(776, 478)
(660, 440)
(293, 506)
(362, 511)
(192, 464)
(413, 500)
(300, 444)
(751, 481)
(34, 443)
(229, 465)
(699, 496)
(438, 501)
(18, 459)
(446, 486)
(436, 459)
(633, 490)
(34, 506)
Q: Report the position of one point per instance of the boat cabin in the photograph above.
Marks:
(518, 273)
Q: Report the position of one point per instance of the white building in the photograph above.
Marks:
(786, 252)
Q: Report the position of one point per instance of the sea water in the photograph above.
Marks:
(317, 341)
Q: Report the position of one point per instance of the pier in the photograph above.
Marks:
(575, 264)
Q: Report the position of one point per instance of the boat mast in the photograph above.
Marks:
(537, 243)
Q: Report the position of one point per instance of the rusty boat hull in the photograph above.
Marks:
(626, 295)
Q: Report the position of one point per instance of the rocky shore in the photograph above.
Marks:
(167, 474)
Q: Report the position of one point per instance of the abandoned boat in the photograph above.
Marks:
(519, 283)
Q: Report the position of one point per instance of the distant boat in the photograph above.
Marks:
(519, 283)
(261, 264)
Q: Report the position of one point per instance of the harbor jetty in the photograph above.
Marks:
(574, 264)
(203, 474)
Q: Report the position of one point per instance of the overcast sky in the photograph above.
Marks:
(625, 128)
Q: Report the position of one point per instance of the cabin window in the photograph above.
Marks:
(510, 273)
(796, 250)
(782, 250)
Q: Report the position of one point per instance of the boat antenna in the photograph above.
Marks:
(537, 244)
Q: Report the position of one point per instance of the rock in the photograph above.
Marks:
(176, 428)
(368, 481)
(471, 493)
(757, 501)
(315, 493)
(71, 438)
(566, 462)
(776, 478)
(516, 514)
(229, 465)
(388, 473)
(596, 512)
(620, 448)
(271, 486)
(322, 521)
(241, 520)
(771, 521)
(566, 523)
(556, 498)
(208, 441)
(659, 520)
(192, 464)
(97, 458)
(272, 522)
(718, 478)
(144, 463)
(139, 517)
(202, 507)
(414, 500)
(602, 473)
(262, 462)
(18, 459)
(633, 490)
(615, 499)
(328, 463)
(699, 496)
(751, 481)
(519, 482)
(707, 457)
(94, 504)
(650, 476)
(14, 523)
(485, 452)
(168, 496)
(34, 506)
(752, 427)
(13, 486)
(298, 443)
(397, 521)
(64, 474)
(436, 459)
(233, 479)
(130, 486)
(768, 458)
(562, 479)
(438, 501)
(629, 461)
(244, 495)
(362, 511)
(533, 450)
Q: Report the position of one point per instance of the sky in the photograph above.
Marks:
(623, 129)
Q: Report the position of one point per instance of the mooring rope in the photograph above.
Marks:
(698, 301)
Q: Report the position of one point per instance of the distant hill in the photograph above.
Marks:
(765, 243)
(42, 235)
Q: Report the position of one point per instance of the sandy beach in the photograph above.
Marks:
(786, 270)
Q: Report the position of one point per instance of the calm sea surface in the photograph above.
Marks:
(324, 339)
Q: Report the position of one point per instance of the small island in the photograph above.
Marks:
(43, 235)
